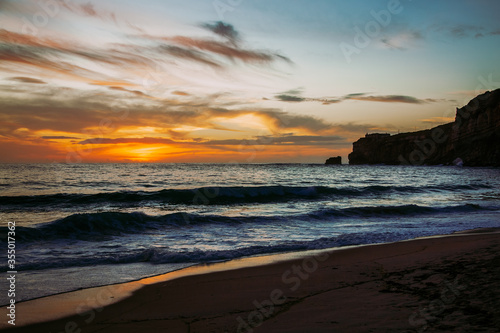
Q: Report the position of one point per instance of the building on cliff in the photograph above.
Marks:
(474, 137)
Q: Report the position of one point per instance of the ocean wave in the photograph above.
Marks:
(102, 226)
(155, 255)
(217, 195)
(390, 211)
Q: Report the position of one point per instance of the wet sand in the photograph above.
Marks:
(437, 284)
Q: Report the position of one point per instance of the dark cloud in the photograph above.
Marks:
(297, 91)
(59, 138)
(464, 30)
(390, 99)
(328, 101)
(105, 141)
(290, 98)
(401, 37)
(224, 30)
(417, 34)
(26, 80)
(288, 140)
(294, 95)
(280, 121)
(354, 128)
(357, 97)
(135, 92)
(229, 49)
(391, 45)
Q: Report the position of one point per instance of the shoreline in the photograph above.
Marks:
(279, 257)
(272, 257)
(289, 275)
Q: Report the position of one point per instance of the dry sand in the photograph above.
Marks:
(438, 284)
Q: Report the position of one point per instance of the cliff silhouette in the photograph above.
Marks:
(473, 139)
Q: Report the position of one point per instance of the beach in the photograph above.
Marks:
(435, 284)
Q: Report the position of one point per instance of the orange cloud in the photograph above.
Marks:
(118, 85)
(225, 50)
(180, 93)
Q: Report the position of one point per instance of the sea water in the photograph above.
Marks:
(84, 225)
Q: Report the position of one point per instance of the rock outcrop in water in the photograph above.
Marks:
(473, 139)
(334, 160)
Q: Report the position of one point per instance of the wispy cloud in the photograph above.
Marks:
(402, 40)
(357, 97)
(23, 79)
(135, 92)
(88, 9)
(402, 37)
(138, 54)
(310, 140)
(57, 56)
(188, 54)
(223, 49)
(464, 30)
(391, 99)
(295, 95)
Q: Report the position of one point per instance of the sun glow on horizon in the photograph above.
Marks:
(162, 82)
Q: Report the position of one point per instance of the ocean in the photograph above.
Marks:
(85, 225)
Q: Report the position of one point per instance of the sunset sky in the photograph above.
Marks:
(233, 81)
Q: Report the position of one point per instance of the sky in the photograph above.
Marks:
(233, 81)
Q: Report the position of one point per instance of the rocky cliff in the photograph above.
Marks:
(474, 138)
